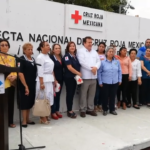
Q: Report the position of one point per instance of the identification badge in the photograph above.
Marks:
(2, 84)
(66, 58)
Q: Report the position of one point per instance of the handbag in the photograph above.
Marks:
(41, 106)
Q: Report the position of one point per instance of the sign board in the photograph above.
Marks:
(85, 18)
(2, 84)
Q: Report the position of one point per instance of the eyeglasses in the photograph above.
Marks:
(4, 45)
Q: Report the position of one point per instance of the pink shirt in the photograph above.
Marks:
(126, 65)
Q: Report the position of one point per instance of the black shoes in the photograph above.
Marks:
(24, 125)
(136, 107)
(83, 114)
(113, 113)
(31, 123)
(105, 113)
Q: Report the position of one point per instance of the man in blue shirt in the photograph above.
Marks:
(142, 50)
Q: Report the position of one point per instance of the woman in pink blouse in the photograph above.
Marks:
(126, 68)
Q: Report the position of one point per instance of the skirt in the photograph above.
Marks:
(49, 91)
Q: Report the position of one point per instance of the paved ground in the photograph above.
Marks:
(129, 130)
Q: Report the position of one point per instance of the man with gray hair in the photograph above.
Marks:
(90, 63)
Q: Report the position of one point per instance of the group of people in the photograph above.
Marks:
(105, 76)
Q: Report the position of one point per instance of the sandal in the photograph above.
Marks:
(136, 107)
(71, 115)
(12, 126)
(129, 105)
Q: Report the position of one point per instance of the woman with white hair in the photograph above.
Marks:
(109, 77)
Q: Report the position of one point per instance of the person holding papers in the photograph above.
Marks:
(71, 69)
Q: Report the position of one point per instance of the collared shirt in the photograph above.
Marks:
(88, 59)
(136, 69)
(68, 59)
(10, 62)
(147, 66)
(110, 72)
(141, 52)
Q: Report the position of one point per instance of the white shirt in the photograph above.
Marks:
(136, 69)
(88, 59)
(46, 68)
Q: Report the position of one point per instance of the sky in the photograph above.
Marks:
(142, 8)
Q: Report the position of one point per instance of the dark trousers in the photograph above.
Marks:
(145, 91)
(132, 92)
(123, 88)
(109, 93)
(98, 95)
(70, 91)
(10, 96)
(56, 105)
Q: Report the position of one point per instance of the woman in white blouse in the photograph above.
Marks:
(136, 79)
(45, 77)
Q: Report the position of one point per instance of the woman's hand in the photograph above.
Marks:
(139, 82)
(12, 78)
(101, 85)
(26, 91)
(119, 83)
(79, 74)
(42, 86)
(55, 83)
(148, 73)
(130, 78)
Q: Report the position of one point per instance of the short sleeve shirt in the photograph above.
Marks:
(147, 65)
(68, 59)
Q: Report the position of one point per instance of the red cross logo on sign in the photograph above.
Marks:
(76, 17)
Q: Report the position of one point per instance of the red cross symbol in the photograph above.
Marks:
(80, 80)
(76, 17)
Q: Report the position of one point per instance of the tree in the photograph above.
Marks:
(107, 5)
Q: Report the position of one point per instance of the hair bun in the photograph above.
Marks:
(39, 49)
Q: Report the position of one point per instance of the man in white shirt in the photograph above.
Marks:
(90, 63)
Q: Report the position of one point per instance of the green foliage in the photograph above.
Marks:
(107, 5)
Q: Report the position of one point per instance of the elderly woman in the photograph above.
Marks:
(145, 63)
(27, 77)
(45, 75)
(136, 79)
(109, 77)
(9, 82)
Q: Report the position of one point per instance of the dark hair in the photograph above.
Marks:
(41, 45)
(131, 50)
(102, 43)
(68, 46)
(4, 40)
(87, 37)
(112, 45)
(121, 49)
(53, 46)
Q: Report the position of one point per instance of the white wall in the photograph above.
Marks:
(50, 18)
